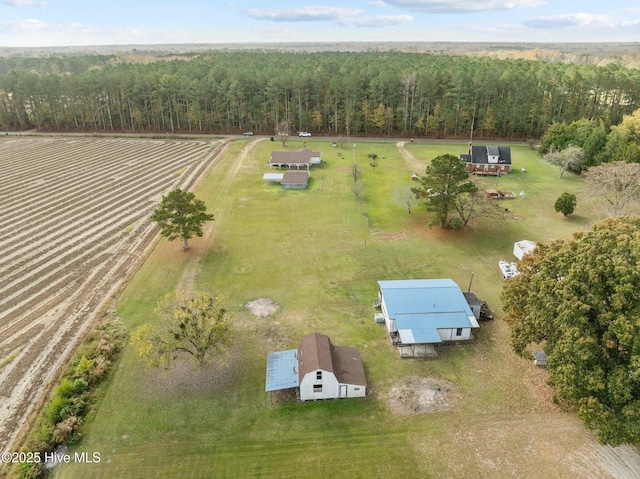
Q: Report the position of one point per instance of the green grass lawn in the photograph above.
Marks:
(318, 253)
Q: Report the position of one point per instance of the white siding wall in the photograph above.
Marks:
(330, 386)
(450, 334)
(391, 323)
(354, 391)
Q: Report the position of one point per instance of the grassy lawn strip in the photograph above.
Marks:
(318, 254)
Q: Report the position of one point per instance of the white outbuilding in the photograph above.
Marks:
(318, 370)
(520, 248)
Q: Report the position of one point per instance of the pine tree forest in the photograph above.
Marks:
(328, 93)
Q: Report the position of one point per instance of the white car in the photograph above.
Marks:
(304, 133)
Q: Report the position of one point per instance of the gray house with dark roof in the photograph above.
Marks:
(487, 160)
(318, 369)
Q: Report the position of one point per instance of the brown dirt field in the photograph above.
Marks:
(74, 224)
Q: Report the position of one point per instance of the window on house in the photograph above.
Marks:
(319, 375)
(317, 388)
(459, 332)
(356, 389)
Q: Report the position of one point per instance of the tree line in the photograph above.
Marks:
(332, 93)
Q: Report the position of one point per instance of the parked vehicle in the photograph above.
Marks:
(304, 133)
(248, 133)
(506, 269)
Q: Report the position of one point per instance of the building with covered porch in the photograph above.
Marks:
(422, 314)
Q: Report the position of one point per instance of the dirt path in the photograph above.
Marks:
(411, 161)
(188, 277)
(74, 223)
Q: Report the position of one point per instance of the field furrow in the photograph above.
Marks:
(74, 222)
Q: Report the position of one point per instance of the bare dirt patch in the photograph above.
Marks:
(417, 395)
(262, 307)
(392, 236)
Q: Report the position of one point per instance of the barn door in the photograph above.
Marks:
(343, 390)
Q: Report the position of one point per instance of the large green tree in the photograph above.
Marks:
(580, 299)
(443, 187)
(181, 215)
(195, 326)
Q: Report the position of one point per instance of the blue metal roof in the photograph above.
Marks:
(282, 370)
(422, 306)
(438, 299)
(419, 336)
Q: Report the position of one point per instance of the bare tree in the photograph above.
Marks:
(618, 183)
(408, 90)
(473, 205)
(405, 197)
(571, 158)
(356, 172)
(282, 131)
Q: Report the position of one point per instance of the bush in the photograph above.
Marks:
(456, 224)
(61, 419)
(566, 203)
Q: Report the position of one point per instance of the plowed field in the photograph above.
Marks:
(74, 221)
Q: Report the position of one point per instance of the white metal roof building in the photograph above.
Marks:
(520, 248)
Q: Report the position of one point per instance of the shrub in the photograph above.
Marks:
(84, 368)
(566, 203)
(66, 431)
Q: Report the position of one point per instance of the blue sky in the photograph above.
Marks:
(30, 23)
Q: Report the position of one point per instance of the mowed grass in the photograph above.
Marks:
(318, 254)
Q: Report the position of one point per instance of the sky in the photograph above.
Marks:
(49, 23)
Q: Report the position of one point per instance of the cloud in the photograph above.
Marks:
(350, 17)
(33, 32)
(378, 21)
(305, 14)
(28, 25)
(24, 3)
(462, 6)
(573, 20)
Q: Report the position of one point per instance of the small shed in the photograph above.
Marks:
(520, 248)
(474, 303)
(540, 359)
(295, 179)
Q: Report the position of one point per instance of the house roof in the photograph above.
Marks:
(295, 177)
(422, 306)
(480, 154)
(303, 156)
(317, 352)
